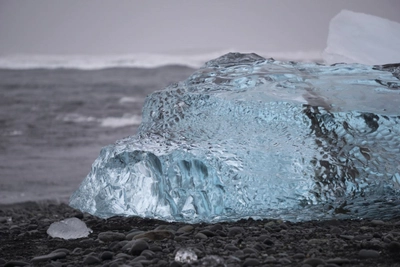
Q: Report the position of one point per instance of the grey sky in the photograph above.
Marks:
(115, 27)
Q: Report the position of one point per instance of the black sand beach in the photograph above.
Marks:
(120, 241)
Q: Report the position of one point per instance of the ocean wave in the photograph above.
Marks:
(92, 62)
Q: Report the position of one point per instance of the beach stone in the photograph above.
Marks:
(394, 247)
(250, 251)
(15, 263)
(216, 227)
(148, 254)
(185, 229)
(231, 247)
(251, 262)
(347, 237)
(66, 251)
(77, 251)
(111, 236)
(162, 263)
(377, 222)
(336, 231)
(106, 255)
(299, 256)
(284, 261)
(268, 242)
(51, 256)
(368, 253)
(90, 260)
(155, 248)
(314, 262)
(138, 247)
(131, 235)
(339, 261)
(156, 235)
(208, 233)
(200, 236)
(123, 256)
(233, 231)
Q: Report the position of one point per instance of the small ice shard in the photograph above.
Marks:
(71, 228)
(185, 255)
(362, 38)
(246, 136)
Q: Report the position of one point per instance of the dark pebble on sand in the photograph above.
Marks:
(90, 260)
(106, 255)
(368, 253)
(15, 263)
(138, 247)
(51, 256)
(111, 236)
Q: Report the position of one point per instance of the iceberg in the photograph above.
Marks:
(246, 136)
(362, 38)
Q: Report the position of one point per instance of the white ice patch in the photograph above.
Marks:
(71, 228)
(361, 38)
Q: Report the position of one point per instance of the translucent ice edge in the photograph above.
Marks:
(249, 137)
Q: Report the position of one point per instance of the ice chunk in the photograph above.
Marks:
(185, 255)
(361, 38)
(249, 137)
(70, 228)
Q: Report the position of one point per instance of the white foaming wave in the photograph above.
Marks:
(92, 62)
(111, 122)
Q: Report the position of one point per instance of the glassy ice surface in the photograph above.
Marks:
(249, 137)
(71, 228)
(362, 38)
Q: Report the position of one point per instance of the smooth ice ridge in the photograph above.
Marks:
(249, 137)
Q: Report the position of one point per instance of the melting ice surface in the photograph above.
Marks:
(249, 137)
(71, 228)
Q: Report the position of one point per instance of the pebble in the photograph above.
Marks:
(208, 233)
(138, 247)
(131, 235)
(156, 235)
(314, 262)
(51, 256)
(338, 261)
(231, 247)
(200, 236)
(368, 253)
(90, 260)
(233, 231)
(251, 262)
(106, 255)
(394, 247)
(185, 229)
(111, 236)
(15, 263)
(377, 222)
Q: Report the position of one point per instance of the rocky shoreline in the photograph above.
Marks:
(133, 241)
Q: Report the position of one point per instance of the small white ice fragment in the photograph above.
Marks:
(71, 228)
(185, 255)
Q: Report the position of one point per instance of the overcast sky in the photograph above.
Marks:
(120, 27)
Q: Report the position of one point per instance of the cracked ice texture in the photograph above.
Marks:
(249, 137)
